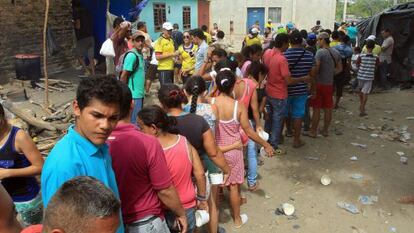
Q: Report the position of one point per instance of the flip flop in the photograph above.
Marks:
(244, 220)
(253, 187)
(302, 143)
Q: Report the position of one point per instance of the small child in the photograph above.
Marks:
(367, 64)
(354, 68)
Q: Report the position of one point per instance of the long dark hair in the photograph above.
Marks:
(2, 116)
(155, 115)
(195, 86)
(171, 96)
(225, 81)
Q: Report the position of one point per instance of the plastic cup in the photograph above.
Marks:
(263, 135)
(202, 217)
(326, 180)
(216, 178)
(288, 209)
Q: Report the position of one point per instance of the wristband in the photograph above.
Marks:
(201, 198)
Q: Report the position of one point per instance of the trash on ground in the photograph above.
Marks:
(410, 118)
(357, 176)
(348, 207)
(362, 127)
(312, 158)
(404, 160)
(400, 153)
(359, 145)
(393, 229)
(326, 180)
(367, 200)
(354, 158)
(374, 135)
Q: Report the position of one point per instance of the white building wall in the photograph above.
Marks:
(303, 13)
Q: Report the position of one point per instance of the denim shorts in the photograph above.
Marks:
(191, 222)
(296, 106)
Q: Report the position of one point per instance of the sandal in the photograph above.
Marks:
(244, 220)
(279, 152)
(254, 187)
(298, 145)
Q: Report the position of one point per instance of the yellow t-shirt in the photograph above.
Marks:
(165, 46)
(188, 62)
(334, 43)
(269, 25)
(376, 51)
(251, 41)
(208, 38)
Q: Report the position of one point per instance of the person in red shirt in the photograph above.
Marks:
(276, 87)
(142, 175)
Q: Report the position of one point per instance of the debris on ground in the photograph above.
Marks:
(367, 200)
(356, 176)
(348, 207)
(363, 146)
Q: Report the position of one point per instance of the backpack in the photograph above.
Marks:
(121, 62)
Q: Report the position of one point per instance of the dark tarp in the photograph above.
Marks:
(400, 20)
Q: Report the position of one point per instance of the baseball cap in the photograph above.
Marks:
(269, 20)
(323, 35)
(167, 26)
(311, 36)
(255, 31)
(138, 36)
(290, 25)
(371, 37)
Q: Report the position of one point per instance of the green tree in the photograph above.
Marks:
(368, 8)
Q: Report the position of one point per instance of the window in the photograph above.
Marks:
(159, 16)
(186, 18)
(275, 13)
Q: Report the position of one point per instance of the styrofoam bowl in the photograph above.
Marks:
(288, 209)
(326, 180)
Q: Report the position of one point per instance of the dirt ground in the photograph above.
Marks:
(295, 177)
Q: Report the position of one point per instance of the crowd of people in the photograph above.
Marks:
(126, 166)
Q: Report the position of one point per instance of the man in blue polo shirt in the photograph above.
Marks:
(82, 151)
(301, 63)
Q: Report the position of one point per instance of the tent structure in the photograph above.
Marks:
(400, 20)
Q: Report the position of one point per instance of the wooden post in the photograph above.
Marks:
(45, 53)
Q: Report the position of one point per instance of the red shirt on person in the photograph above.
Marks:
(276, 86)
(33, 229)
(141, 170)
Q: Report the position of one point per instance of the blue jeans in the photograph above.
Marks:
(155, 226)
(276, 109)
(191, 221)
(251, 160)
(138, 102)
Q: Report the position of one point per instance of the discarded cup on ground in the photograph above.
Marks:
(263, 135)
(326, 180)
(216, 178)
(348, 207)
(202, 217)
(288, 209)
(404, 160)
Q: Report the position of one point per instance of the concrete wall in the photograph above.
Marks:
(303, 13)
(21, 24)
(174, 13)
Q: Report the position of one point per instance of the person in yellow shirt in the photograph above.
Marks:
(187, 51)
(209, 40)
(335, 39)
(269, 24)
(252, 38)
(377, 49)
(165, 54)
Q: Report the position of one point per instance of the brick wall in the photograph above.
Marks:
(21, 27)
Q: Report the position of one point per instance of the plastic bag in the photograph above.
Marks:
(107, 49)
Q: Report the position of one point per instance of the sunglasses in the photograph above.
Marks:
(187, 37)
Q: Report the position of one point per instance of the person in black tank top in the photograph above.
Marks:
(20, 162)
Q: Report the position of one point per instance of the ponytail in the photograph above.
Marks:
(195, 86)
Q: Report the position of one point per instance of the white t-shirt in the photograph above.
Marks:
(154, 60)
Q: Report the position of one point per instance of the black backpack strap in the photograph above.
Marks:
(135, 67)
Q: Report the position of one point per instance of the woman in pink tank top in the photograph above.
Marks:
(182, 160)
